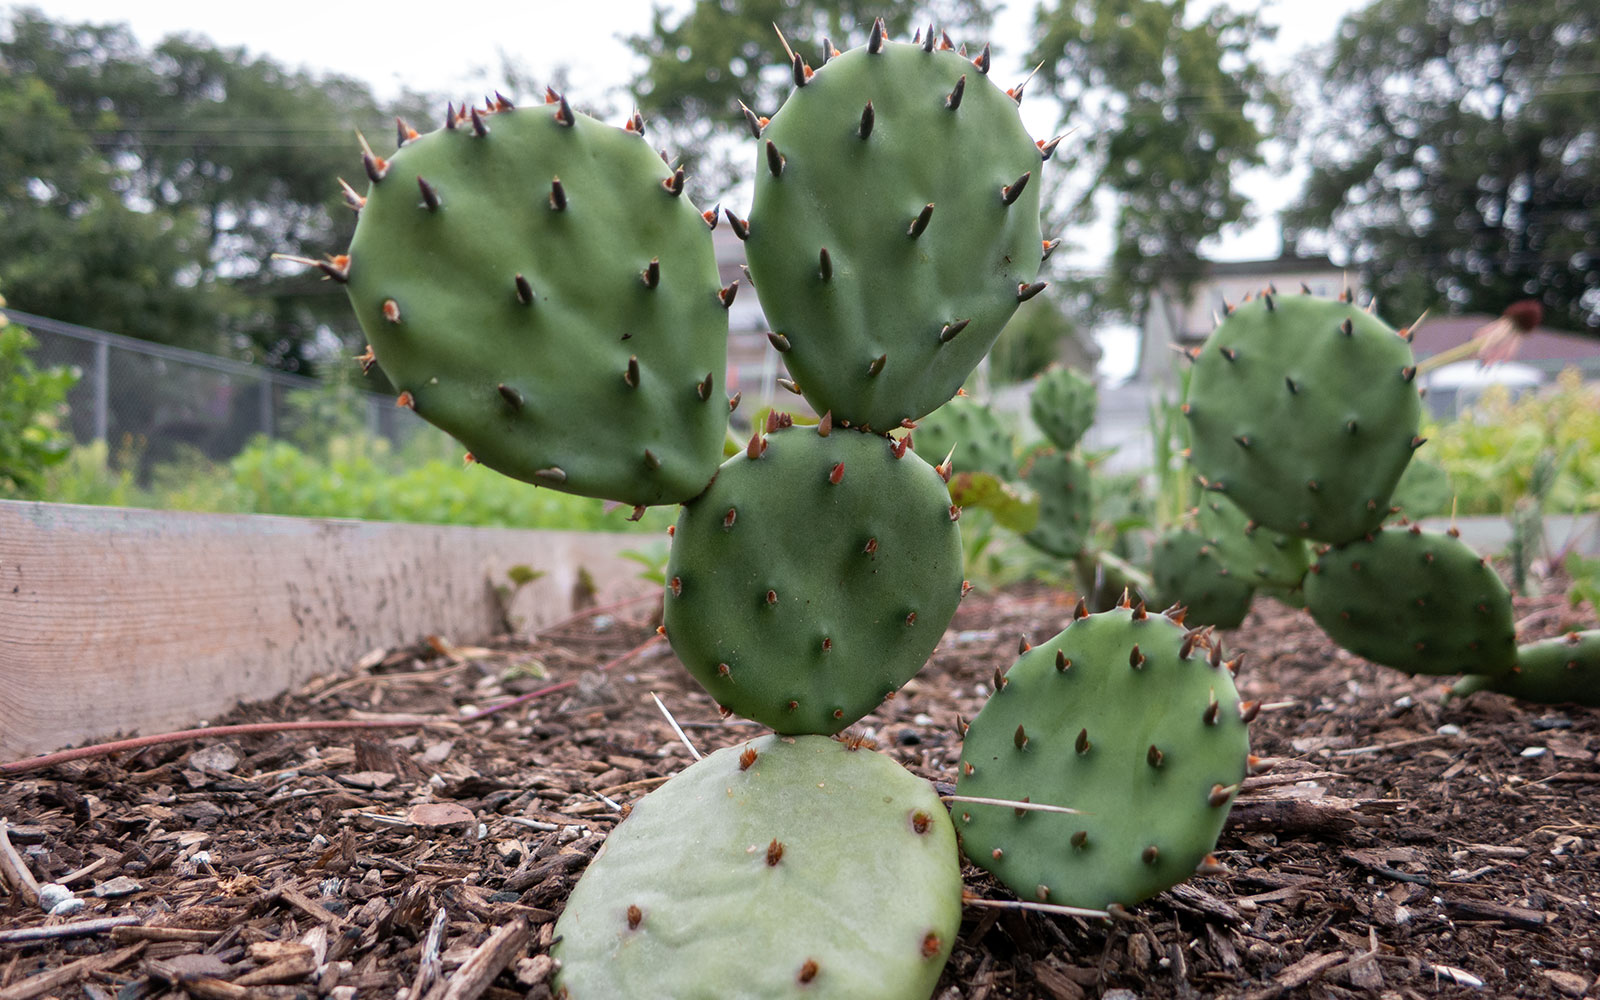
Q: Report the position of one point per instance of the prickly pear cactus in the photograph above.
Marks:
(814, 577)
(1125, 717)
(1187, 570)
(1063, 404)
(784, 867)
(1303, 412)
(1256, 555)
(1424, 490)
(1559, 671)
(980, 440)
(895, 227)
(537, 284)
(1061, 483)
(1415, 600)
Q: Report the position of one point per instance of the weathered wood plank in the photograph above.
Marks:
(133, 621)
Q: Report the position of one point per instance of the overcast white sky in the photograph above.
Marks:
(444, 47)
(448, 47)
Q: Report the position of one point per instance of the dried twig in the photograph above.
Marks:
(478, 971)
(1020, 904)
(593, 612)
(49, 980)
(431, 966)
(14, 871)
(80, 928)
(1020, 806)
(675, 727)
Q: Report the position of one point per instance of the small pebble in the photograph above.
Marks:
(51, 895)
(1449, 729)
(1535, 751)
(66, 907)
(1552, 722)
(115, 888)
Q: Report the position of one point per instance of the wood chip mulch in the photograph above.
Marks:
(1399, 849)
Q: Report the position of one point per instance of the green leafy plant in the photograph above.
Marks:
(1493, 450)
(517, 577)
(32, 405)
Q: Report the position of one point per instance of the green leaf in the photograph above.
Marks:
(1011, 508)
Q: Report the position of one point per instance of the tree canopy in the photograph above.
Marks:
(701, 64)
(1456, 156)
(145, 190)
(1165, 111)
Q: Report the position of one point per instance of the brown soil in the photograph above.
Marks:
(1399, 848)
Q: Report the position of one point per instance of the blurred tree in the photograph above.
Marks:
(153, 186)
(1043, 330)
(1164, 113)
(701, 64)
(1455, 152)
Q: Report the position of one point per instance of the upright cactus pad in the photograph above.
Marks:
(814, 577)
(1187, 570)
(1063, 404)
(1303, 412)
(536, 283)
(1125, 717)
(980, 440)
(1559, 671)
(1415, 600)
(895, 227)
(784, 867)
(1256, 555)
(1061, 482)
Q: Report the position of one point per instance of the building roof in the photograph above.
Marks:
(1542, 344)
(1286, 264)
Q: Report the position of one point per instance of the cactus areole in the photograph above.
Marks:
(782, 867)
(894, 228)
(537, 284)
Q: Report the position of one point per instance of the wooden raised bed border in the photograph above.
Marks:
(120, 621)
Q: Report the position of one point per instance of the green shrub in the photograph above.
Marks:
(32, 405)
(1492, 450)
(354, 476)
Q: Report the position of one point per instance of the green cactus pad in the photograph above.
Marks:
(1125, 717)
(980, 440)
(784, 867)
(929, 227)
(1187, 570)
(1258, 556)
(548, 300)
(1560, 671)
(1063, 404)
(1415, 600)
(1061, 482)
(1304, 412)
(810, 582)
(1424, 490)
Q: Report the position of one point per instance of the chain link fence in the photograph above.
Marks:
(163, 402)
